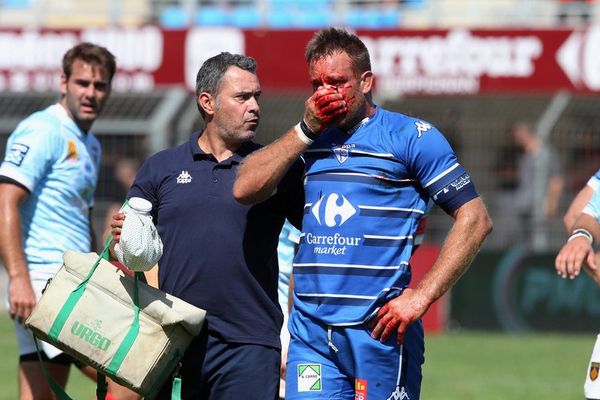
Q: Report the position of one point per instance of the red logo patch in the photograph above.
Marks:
(360, 389)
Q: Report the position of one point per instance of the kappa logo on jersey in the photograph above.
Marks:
(335, 215)
(422, 127)
(184, 177)
(341, 153)
(17, 153)
(399, 394)
(309, 378)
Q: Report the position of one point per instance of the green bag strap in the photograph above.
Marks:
(75, 295)
(101, 386)
(131, 335)
(55, 387)
(176, 390)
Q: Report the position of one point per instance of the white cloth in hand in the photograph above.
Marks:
(140, 247)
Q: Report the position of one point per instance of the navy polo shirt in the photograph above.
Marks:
(218, 254)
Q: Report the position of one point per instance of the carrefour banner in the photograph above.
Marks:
(518, 290)
(428, 62)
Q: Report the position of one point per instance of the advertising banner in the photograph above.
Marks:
(406, 62)
(520, 291)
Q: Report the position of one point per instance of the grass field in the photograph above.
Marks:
(459, 366)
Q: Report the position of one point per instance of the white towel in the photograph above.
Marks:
(140, 247)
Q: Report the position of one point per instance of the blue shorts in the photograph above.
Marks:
(215, 370)
(333, 362)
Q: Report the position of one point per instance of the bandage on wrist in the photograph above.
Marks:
(583, 233)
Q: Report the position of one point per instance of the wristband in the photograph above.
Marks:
(312, 135)
(302, 136)
(582, 232)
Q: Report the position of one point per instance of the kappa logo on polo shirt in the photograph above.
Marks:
(184, 177)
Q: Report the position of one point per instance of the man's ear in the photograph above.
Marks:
(366, 81)
(63, 85)
(206, 102)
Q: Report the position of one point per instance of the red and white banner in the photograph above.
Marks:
(428, 62)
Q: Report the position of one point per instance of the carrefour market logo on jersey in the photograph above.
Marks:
(332, 211)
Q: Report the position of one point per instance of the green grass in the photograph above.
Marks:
(458, 366)
(79, 386)
(491, 366)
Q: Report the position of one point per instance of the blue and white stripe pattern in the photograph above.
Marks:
(365, 196)
(594, 181)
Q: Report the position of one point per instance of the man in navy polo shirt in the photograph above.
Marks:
(218, 254)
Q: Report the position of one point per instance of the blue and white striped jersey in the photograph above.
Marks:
(593, 206)
(365, 195)
(58, 164)
(594, 181)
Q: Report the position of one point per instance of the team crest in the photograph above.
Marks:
(341, 153)
(594, 369)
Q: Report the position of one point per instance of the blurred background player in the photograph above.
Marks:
(533, 152)
(47, 183)
(286, 250)
(580, 201)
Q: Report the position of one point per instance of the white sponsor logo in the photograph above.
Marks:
(309, 378)
(453, 63)
(334, 214)
(184, 177)
(29, 57)
(17, 153)
(422, 127)
(399, 394)
(580, 59)
(461, 182)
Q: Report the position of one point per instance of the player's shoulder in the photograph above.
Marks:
(402, 126)
(41, 123)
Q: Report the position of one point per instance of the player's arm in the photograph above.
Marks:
(260, 173)
(93, 238)
(471, 226)
(576, 206)
(22, 297)
(578, 248)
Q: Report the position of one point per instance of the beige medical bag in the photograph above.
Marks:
(124, 328)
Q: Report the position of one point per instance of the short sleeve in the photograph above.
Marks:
(30, 151)
(430, 159)
(593, 206)
(594, 181)
(144, 185)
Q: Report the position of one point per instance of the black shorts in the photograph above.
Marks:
(61, 359)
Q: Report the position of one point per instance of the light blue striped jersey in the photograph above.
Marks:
(594, 181)
(286, 249)
(365, 195)
(593, 206)
(58, 165)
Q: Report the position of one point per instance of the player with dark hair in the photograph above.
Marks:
(369, 177)
(47, 183)
(218, 254)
